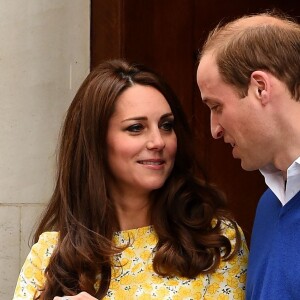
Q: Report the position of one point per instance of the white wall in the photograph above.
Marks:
(44, 56)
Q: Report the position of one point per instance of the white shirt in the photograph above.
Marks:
(275, 181)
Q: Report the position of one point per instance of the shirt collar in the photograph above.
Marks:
(275, 181)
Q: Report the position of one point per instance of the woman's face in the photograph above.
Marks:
(141, 141)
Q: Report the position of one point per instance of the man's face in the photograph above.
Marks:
(239, 121)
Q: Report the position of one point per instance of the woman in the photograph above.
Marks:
(129, 217)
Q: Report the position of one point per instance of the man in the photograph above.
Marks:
(249, 77)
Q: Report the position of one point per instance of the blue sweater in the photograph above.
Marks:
(274, 262)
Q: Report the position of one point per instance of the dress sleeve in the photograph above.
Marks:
(229, 280)
(32, 278)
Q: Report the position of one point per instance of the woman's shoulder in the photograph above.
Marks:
(48, 237)
(229, 229)
(46, 243)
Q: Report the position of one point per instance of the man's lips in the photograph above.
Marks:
(231, 143)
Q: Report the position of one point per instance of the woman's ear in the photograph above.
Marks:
(260, 84)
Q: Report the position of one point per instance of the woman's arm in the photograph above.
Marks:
(32, 278)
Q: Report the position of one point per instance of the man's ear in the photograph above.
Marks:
(260, 84)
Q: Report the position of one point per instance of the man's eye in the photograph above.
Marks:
(167, 126)
(215, 108)
(135, 128)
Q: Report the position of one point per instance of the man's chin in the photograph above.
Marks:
(248, 166)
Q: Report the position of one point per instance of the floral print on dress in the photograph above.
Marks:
(133, 276)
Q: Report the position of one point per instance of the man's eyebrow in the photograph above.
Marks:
(207, 100)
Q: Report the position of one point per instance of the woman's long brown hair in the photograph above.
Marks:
(81, 211)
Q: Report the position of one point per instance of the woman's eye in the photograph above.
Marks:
(167, 126)
(135, 128)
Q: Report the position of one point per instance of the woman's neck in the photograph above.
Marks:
(132, 211)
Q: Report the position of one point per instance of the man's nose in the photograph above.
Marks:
(217, 131)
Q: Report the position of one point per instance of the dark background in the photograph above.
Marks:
(166, 35)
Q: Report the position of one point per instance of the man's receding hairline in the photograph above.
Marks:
(263, 20)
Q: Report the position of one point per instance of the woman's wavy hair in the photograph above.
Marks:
(268, 41)
(186, 212)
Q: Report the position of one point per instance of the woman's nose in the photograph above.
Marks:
(156, 141)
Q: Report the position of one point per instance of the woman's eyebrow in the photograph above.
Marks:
(170, 114)
(136, 119)
(143, 118)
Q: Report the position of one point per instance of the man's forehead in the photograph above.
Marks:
(208, 72)
(207, 58)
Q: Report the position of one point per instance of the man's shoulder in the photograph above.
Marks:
(267, 199)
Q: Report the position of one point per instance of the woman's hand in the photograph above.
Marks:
(80, 296)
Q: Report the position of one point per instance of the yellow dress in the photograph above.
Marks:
(136, 278)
